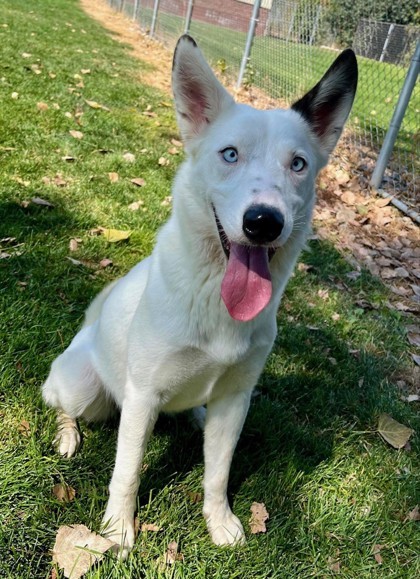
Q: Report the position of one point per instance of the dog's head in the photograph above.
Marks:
(256, 169)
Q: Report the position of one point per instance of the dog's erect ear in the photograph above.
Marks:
(327, 106)
(199, 96)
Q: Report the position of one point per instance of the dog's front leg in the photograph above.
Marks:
(224, 421)
(138, 416)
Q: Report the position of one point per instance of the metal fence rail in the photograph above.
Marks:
(282, 47)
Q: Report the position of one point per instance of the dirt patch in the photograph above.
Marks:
(366, 227)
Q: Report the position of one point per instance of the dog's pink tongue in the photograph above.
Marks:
(246, 286)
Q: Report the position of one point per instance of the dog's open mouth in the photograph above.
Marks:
(246, 286)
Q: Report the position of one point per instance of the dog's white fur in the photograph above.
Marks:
(161, 338)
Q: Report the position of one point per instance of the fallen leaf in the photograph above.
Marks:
(348, 197)
(42, 202)
(176, 143)
(74, 261)
(76, 134)
(150, 527)
(77, 549)
(115, 235)
(113, 177)
(15, 95)
(416, 359)
(414, 515)
(24, 428)
(163, 161)
(324, 294)
(173, 151)
(376, 553)
(95, 105)
(73, 245)
(85, 71)
(167, 201)
(68, 158)
(138, 181)
(105, 262)
(258, 517)
(383, 202)
(353, 275)
(64, 492)
(172, 554)
(411, 398)
(414, 339)
(129, 157)
(393, 432)
(136, 205)
(42, 106)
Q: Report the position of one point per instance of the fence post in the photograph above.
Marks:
(188, 16)
(154, 18)
(387, 39)
(136, 9)
(397, 118)
(251, 32)
(122, 2)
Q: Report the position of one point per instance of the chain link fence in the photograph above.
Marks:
(293, 43)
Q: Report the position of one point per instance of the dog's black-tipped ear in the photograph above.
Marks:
(327, 106)
(199, 96)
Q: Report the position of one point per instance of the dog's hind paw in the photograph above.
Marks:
(68, 437)
(228, 531)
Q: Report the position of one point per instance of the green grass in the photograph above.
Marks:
(309, 449)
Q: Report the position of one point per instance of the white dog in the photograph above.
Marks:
(193, 324)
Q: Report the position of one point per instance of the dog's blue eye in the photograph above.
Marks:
(230, 155)
(298, 164)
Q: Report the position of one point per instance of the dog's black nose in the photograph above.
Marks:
(262, 224)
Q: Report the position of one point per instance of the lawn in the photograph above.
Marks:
(310, 450)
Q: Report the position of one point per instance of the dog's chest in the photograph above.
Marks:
(192, 377)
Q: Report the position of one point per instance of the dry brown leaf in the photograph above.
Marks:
(172, 554)
(113, 177)
(150, 527)
(84, 71)
(376, 553)
(138, 181)
(324, 294)
(176, 143)
(136, 205)
(258, 517)
(163, 161)
(73, 245)
(383, 202)
(63, 492)
(393, 432)
(24, 428)
(414, 515)
(76, 134)
(77, 549)
(173, 151)
(42, 106)
(129, 157)
(348, 197)
(106, 262)
(167, 201)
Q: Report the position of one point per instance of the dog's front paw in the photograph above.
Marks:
(226, 529)
(119, 528)
(68, 437)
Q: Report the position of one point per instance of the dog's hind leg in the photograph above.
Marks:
(75, 390)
